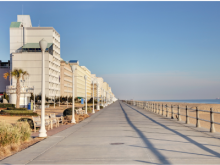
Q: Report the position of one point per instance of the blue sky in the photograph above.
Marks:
(175, 45)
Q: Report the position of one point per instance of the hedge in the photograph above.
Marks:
(11, 108)
(7, 105)
(18, 113)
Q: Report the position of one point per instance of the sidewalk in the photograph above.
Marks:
(122, 134)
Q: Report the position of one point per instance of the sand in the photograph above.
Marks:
(200, 106)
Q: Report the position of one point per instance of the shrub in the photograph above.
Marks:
(5, 96)
(7, 105)
(101, 107)
(11, 108)
(91, 101)
(68, 111)
(89, 109)
(12, 134)
(28, 120)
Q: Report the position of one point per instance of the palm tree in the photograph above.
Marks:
(17, 74)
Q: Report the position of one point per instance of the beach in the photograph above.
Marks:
(192, 113)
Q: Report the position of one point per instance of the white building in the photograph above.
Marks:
(26, 54)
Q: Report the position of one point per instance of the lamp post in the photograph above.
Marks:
(43, 46)
(85, 77)
(73, 101)
(102, 97)
(54, 100)
(34, 100)
(98, 107)
(93, 111)
(67, 100)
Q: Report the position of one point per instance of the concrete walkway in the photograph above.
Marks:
(122, 134)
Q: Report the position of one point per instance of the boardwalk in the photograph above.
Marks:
(122, 134)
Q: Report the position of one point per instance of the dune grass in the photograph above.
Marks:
(12, 135)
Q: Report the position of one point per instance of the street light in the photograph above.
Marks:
(102, 96)
(93, 111)
(73, 101)
(98, 107)
(34, 100)
(85, 77)
(43, 46)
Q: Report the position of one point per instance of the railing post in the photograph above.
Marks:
(212, 125)
(197, 118)
(179, 116)
(153, 107)
(167, 111)
(162, 109)
(171, 111)
(187, 118)
(159, 109)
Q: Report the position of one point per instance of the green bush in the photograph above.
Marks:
(11, 108)
(30, 122)
(91, 101)
(7, 105)
(5, 96)
(68, 111)
(89, 109)
(101, 107)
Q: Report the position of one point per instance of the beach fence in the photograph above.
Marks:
(182, 113)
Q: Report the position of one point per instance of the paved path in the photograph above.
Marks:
(146, 138)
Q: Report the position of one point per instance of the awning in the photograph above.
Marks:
(15, 24)
(35, 45)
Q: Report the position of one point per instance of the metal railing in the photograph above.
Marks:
(168, 111)
(23, 89)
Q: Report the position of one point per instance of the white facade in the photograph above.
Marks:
(26, 54)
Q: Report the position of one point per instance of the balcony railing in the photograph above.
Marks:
(23, 89)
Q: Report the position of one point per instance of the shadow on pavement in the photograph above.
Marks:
(149, 145)
(183, 136)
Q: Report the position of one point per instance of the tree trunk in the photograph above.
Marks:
(18, 93)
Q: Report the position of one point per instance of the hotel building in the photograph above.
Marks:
(79, 74)
(65, 79)
(25, 53)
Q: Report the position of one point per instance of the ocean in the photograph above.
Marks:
(207, 101)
